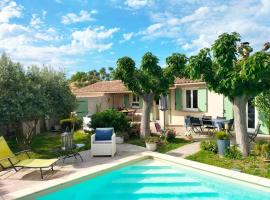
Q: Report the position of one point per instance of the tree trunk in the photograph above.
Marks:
(145, 122)
(240, 123)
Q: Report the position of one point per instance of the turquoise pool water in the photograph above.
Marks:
(151, 179)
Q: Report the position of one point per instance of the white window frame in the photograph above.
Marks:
(184, 99)
(136, 103)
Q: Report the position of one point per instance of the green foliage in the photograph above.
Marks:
(222, 135)
(262, 149)
(254, 165)
(233, 153)
(68, 123)
(81, 79)
(262, 102)
(227, 73)
(28, 95)
(150, 77)
(209, 145)
(111, 118)
(152, 139)
(150, 80)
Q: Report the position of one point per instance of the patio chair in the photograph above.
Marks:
(208, 125)
(103, 142)
(10, 160)
(195, 125)
(230, 127)
(187, 121)
(252, 136)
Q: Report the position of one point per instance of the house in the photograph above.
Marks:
(186, 97)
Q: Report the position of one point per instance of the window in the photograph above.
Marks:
(192, 99)
(135, 101)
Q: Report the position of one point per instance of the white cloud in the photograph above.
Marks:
(35, 21)
(198, 26)
(83, 16)
(93, 39)
(137, 4)
(127, 37)
(8, 10)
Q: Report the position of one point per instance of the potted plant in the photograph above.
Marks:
(151, 143)
(223, 142)
(120, 137)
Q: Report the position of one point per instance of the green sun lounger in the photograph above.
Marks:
(10, 160)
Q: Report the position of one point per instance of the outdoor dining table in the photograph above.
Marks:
(220, 123)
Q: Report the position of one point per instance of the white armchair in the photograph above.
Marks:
(103, 147)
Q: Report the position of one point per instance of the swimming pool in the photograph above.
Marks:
(154, 179)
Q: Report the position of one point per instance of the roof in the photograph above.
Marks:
(116, 86)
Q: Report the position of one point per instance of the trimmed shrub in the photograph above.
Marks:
(233, 153)
(209, 145)
(67, 124)
(111, 118)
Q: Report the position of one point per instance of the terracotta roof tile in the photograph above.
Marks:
(104, 86)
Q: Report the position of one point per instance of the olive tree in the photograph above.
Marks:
(29, 95)
(149, 81)
(229, 68)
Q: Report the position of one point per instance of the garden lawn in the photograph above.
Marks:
(43, 144)
(165, 147)
(251, 165)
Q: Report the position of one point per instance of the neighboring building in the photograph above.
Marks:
(186, 97)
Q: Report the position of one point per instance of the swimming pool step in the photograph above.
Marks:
(164, 180)
(150, 167)
(146, 175)
(152, 171)
(158, 193)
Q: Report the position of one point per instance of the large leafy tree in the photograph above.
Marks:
(149, 81)
(28, 95)
(229, 68)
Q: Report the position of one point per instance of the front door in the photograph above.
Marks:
(251, 115)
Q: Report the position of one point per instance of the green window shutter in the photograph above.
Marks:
(170, 107)
(82, 107)
(228, 108)
(140, 102)
(202, 100)
(126, 100)
(263, 128)
(178, 99)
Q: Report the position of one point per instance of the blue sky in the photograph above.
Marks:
(80, 35)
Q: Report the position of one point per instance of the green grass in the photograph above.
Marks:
(173, 144)
(251, 165)
(165, 147)
(43, 144)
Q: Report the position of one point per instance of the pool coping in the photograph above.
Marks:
(100, 169)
